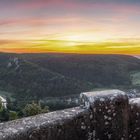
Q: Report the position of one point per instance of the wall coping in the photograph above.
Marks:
(108, 106)
(19, 126)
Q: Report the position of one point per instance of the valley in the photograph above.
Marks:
(56, 80)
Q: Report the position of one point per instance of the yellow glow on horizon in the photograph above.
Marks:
(84, 36)
(67, 46)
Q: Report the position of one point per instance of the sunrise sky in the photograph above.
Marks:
(70, 26)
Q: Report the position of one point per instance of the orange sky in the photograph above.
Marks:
(61, 46)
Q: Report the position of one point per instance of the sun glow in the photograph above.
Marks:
(68, 46)
(76, 38)
(84, 37)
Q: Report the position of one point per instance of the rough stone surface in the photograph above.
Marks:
(103, 115)
(88, 98)
(134, 119)
(70, 124)
(110, 114)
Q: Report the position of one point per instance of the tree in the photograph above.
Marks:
(45, 109)
(0, 104)
(13, 115)
(32, 109)
(9, 103)
(4, 115)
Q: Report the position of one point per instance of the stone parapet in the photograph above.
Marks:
(103, 115)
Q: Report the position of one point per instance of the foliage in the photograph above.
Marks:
(0, 104)
(13, 115)
(13, 112)
(136, 78)
(31, 77)
(4, 115)
(48, 75)
(34, 109)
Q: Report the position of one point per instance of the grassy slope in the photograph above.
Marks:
(136, 78)
(43, 75)
(27, 79)
(101, 70)
(5, 94)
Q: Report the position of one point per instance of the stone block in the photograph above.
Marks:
(109, 114)
(134, 119)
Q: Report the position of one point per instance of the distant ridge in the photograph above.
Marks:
(137, 56)
(55, 75)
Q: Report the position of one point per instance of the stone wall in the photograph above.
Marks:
(134, 119)
(103, 115)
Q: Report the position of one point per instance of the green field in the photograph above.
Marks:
(136, 78)
(5, 94)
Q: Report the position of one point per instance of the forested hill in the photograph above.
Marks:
(43, 75)
(26, 78)
(100, 70)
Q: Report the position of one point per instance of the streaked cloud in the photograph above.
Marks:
(42, 46)
(69, 20)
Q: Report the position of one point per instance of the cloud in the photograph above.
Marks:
(32, 18)
(39, 21)
(124, 5)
